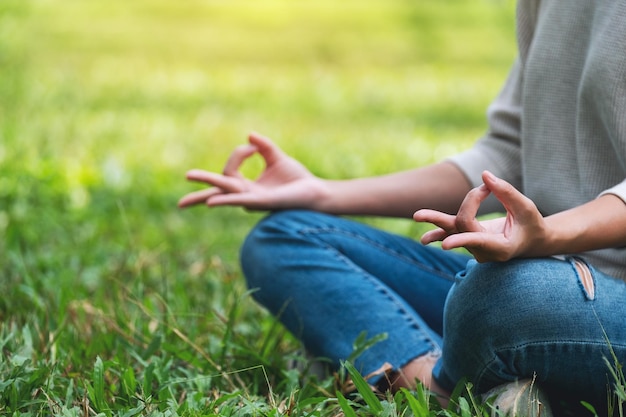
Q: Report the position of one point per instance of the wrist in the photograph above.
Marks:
(321, 196)
(561, 235)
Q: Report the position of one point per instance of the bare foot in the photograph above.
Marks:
(420, 369)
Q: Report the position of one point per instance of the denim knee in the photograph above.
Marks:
(271, 248)
(261, 247)
(492, 309)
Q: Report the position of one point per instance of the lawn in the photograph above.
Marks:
(117, 303)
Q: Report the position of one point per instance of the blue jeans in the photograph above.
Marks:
(328, 279)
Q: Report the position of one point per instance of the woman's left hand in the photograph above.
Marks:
(518, 234)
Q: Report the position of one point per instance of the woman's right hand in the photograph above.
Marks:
(284, 183)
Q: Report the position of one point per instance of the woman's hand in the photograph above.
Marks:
(284, 183)
(519, 234)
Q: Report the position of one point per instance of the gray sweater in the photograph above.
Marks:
(557, 131)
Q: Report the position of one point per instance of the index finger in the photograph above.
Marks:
(466, 216)
(239, 155)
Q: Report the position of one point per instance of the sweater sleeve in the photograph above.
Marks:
(499, 150)
(618, 190)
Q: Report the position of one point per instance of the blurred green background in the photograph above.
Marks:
(109, 103)
(105, 104)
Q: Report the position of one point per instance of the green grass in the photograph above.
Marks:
(116, 303)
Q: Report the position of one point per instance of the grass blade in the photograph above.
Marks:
(362, 343)
(348, 411)
(364, 389)
(97, 393)
(418, 407)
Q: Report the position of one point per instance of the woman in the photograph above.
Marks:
(542, 294)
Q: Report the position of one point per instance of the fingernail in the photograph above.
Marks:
(490, 176)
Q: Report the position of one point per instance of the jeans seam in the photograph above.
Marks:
(498, 353)
(386, 292)
(320, 230)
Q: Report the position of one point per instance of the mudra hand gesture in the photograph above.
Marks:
(501, 239)
(284, 183)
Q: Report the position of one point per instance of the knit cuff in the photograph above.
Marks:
(618, 190)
